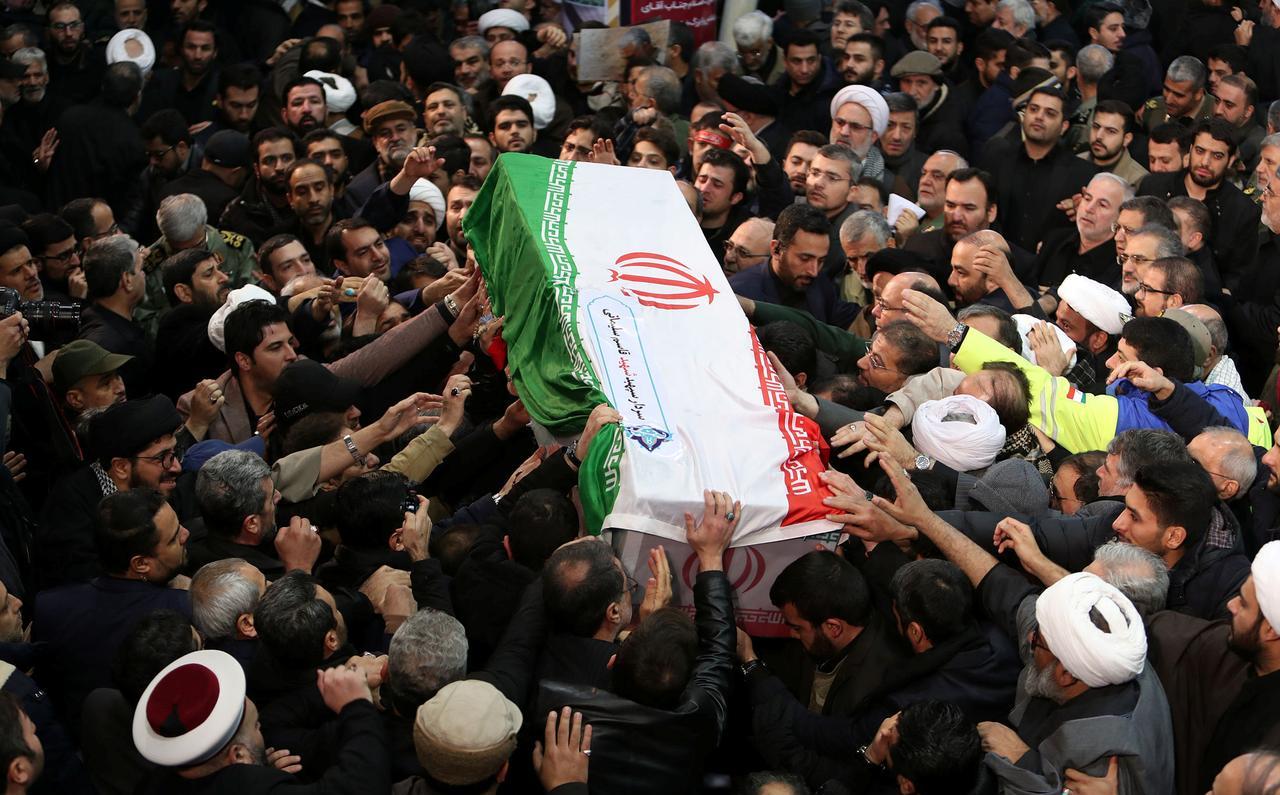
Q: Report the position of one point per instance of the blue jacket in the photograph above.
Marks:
(1136, 412)
(821, 299)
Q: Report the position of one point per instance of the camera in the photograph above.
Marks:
(410, 502)
(45, 314)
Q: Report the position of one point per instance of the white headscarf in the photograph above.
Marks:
(960, 431)
(238, 296)
(339, 93)
(868, 98)
(1094, 657)
(424, 190)
(1266, 581)
(502, 18)
(141, 51)
(539, 94)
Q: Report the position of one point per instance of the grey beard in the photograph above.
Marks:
(1038, 683)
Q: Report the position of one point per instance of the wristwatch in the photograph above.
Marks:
(748, 668)
(862, 752)
(572, 456)
(356, 455)
(956, 336)
(923, 463)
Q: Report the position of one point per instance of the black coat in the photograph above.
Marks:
(1028, 190)
(182, 343)
(820, 299)
(122, 335)
(100, 153)
(1233, 233)
(1059, 257)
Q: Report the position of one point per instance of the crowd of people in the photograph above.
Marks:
(273, 517)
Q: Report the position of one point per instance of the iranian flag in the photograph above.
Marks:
(610, 294)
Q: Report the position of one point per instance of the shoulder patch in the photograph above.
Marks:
(232, 239)
(1153, 102)
(1249, 191)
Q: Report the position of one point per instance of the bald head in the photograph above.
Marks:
(889, 308)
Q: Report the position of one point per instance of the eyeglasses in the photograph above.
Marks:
(1143, 287)
(883, 307)
(63, 27)
(825, 176)
(1220, 475)
(852, 125)
(1136, 259)
(741, 253)
(876, 360)
(631, 585)
(1037, 641)
(1057, 498)
(166, 458)
(63, 257)
(1115, 227)
(156, 154)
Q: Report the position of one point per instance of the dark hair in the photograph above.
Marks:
(297, 82)
(579, 582)
(755, 783)
(180, 269)
(121, 84)
(126, 527)
(810, 137)
(168, 125)
(800, 218)
(292, 621)
(1233, 55)
(1086, 466)
(1197, 212)
(242, 75)
(270, 136)
(510, 102)
(1154, 211)
(970, 174)
(1022, 52)
(105, 263)
(198, 25)
(871, 40)
(455, 153)
(938, 749)
(1180, 493)
(540, 521)
(302, 162)
(319, 134)
(822, 586)
(1063, 48)
(1171, 133)
(334, 245)
(44, 230)
(1006, 328)
(793, 346)
(880, 189)
(273, 244)
(991, 41)
(899, 102)
(945, 22)
(847, 391)
(1012, 395)
(801, 38)
(655, 661)
(79, 213)
(1245, 84)
(1117, 108)
(1218, 129)
(440, 85)
(13, 742)
(369, 509)
(158, 639)
(242, 331)
(918, 353)
(723, 158)
(1162, 343)
(934, 594)
(663, 139)
(1182, 276)
(681, 35)
(314, 430)
(1095, 13)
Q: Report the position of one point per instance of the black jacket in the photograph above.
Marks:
(182, 343)
(639, 749)
(1233, 230)
(100, 153)
(1059, 256)
(1028, 190)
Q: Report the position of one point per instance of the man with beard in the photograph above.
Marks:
(169, 145)
(303, 107)
(808, 83)
(189, 88)
(461, 195)
(829, 187)
(38, 110)
(1235, 217)
(1110, 133)
(75, 65)
(53, 243)
(513, 129)
(1034, 175)
(862, 61)
(88, 377)
(801, 150)
(920, 75)
(1183, 99)
(470, 56)
(236, 102)
(971, 281)
(311, 199)
(391, 126)
(793, 276)
(264, 203)
(1085, 694)
(141, 547)
(426, 211)
(195, 287)
(443, 111)
(135, 447)
(1089, 248)
(221, 173)
(1249, 722)
(859, 116)
(117, 285)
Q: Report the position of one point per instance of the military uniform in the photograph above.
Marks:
(237, 261)
(1154, 113)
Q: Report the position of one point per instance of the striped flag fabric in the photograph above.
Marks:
(610, 294)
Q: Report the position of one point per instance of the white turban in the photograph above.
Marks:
(503, 18)
(1266, 581)
(868, 98)
(1094, 657)
(238, 296)
(1095, 302)
(1026, 323)
(539, 94)
(960, 431)
(133, 45)
(426, 191)
(339, 94)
